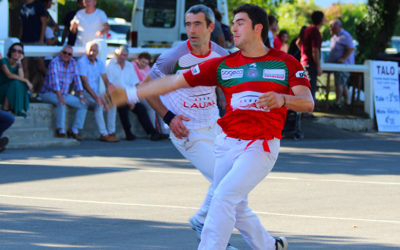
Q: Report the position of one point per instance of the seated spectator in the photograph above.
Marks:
(141, 65)
(62, 72)
(90, 70)
(6, 120)
(13, 85)
(280, 41)
(122, 73)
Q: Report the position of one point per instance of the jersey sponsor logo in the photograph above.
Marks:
(195, 70)
(246, 100)
(301, 74)
(200, 101)
(276, 74)
(227, 74)
(252, 72)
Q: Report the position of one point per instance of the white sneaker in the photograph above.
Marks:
(230, 247)
(197, 226)
(281, 243)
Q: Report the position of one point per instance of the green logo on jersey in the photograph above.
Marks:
(266, 71)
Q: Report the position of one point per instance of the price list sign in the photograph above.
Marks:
(386, 95)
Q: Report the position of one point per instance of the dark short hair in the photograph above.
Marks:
(283, 32)
(145, 55)
(317, 17)
(272, 19)
(257, 15)
(12, 46)
(208, 13)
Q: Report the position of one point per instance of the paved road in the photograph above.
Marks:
(340, 190)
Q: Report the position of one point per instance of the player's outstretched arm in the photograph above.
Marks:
(175, 122)
(160, 86)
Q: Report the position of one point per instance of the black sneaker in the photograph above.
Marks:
(281, 243)
(158, 137)
(130, 137)
(3, 143)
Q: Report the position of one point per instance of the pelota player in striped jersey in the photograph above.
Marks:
(192, 113)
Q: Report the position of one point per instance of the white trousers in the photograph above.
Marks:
(99, 118)
(198, 148)
(238, 170)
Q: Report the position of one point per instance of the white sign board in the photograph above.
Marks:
(386, 95)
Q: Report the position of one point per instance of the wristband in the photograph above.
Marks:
(131, 93)
(284, 100)
(168, 117)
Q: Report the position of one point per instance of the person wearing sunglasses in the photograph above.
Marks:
(62, 72)
(13, 85)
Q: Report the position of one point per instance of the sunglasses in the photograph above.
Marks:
(66, 53)
(17, 51)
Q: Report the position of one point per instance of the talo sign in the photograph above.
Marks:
(386, 95)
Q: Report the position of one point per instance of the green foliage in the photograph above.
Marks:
(376, 28)
(292, 16)
(350, 15)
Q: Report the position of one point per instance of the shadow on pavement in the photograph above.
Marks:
(33, 228)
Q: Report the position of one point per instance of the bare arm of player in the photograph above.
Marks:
(161, 86)
(176, 124)
(119, 96)
(302, 100)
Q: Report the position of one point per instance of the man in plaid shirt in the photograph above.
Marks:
(61, 73)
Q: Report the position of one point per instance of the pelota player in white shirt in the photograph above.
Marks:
(192, 113)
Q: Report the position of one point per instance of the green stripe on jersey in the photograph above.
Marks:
(269, 71)
(180, 69)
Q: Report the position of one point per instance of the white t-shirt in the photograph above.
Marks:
(89, 24)
(199, 104)
(125, 77)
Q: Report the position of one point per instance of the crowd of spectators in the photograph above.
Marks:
(67, 81)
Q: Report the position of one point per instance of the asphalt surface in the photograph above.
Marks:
(332, 190)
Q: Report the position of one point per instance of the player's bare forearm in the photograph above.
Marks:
(155, 101)
(161, 86)
(301, 101)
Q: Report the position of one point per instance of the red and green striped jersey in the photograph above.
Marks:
(243, 79)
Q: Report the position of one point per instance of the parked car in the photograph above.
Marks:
(119, 31)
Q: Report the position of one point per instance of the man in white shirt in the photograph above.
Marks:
(192, 113)
(90, 70)
(89, 23)
(121, 73)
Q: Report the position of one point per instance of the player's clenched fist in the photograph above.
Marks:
(119, 96)
(271, 100)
